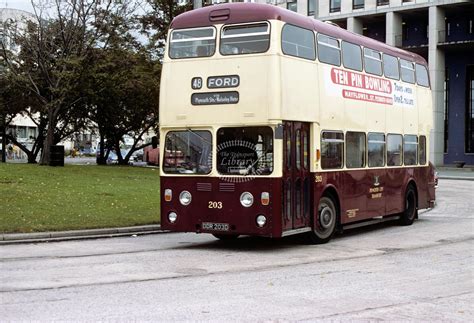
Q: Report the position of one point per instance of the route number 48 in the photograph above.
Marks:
(196, 83)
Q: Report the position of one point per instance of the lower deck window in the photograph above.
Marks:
(376, 149)
(410, 148)
(245, 151)
(355, 149)
(394, 150)
(332, 148)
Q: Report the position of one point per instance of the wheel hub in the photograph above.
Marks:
(326, 217)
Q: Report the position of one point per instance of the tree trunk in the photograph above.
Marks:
(48, 142)
(101, 158)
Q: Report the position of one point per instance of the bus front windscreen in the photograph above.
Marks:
(188, 152)
(245, 151)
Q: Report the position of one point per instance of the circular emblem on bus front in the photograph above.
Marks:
(239, 160)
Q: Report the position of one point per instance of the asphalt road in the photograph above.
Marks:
(421, 272)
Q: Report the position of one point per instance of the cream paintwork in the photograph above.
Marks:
(275, 87)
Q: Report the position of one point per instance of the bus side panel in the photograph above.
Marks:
(426, 192)
(358, 197)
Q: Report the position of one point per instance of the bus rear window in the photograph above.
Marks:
(245, 39)
(196, 42)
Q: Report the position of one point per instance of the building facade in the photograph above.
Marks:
(442, 31)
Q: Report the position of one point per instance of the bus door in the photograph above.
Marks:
(296, 175)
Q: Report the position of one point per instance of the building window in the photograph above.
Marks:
(311, 7)
(446, 110)
(293, 6)
(358, 4)
(470, 111)
(383, 2)
(334, 5)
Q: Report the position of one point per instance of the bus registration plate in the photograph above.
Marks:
(215, 226)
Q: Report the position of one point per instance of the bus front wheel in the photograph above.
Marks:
(408, 216)
(324, 224)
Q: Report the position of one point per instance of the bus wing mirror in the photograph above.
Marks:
(279, 131)
(154, 142)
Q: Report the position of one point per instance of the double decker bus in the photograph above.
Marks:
(277, 124)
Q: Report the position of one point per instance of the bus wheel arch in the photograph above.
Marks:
(410, 206)
(326, 219)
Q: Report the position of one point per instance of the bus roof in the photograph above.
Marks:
(233, 13)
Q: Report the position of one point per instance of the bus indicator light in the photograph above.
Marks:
(265, 198)
(168, 195)
(318, 154)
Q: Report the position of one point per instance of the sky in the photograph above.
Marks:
(17, 4)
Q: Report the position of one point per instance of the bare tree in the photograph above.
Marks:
(53, 48)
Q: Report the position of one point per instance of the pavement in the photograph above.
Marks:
(452, 173)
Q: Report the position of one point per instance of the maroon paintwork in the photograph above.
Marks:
(211, 189)
(250, 12)
(351, 189)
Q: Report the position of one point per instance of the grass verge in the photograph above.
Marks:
(39, 198)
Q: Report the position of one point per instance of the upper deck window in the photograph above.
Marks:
(390, 67)
(407, 71)
(195, 42)
(422, 75)
(245, 39)
(329, 50)
(299, 42)
(351, 56)
(372, 62)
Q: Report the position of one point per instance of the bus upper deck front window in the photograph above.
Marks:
(245, 39)
(188, 152)
(196, 42)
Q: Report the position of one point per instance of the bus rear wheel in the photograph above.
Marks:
(324, 224)
(226, 237)
(408, 216)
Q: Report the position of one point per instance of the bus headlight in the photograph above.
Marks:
(261, 220)
(172, 217)
(246, 199)
(185, 198)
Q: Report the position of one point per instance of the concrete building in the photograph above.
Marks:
(441, 31)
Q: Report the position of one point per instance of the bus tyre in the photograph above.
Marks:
(324, 224)
(226, 237)
(411, 212)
